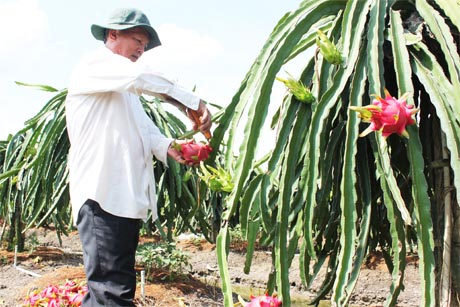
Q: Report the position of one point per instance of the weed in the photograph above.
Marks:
(32, 242)
(4, 260)
(163, 256)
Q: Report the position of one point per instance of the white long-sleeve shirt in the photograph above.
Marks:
(112, 139)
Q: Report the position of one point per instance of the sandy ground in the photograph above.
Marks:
(55, 263)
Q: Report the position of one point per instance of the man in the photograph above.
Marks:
(113, 142)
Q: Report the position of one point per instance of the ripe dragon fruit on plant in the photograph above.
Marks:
(192, 151)
(388, 115)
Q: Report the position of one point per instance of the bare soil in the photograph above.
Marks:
(199, 286)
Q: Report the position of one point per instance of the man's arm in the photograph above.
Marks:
(201, 118)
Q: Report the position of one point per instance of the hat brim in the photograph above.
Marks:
(98, 32)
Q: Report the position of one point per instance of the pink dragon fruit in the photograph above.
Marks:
(195, 151)
(264, 301)
(388, 115)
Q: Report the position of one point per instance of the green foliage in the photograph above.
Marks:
(162, 256)
(319, 191)
(32, 242)
(34, 179)
(323, 190)
(236, 235)
(183, 205)
(33, 174)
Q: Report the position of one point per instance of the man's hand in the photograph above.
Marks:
(201, 119)
(176, 154)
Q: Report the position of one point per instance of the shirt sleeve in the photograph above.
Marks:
(105, 71)
(159, 144)
(160, 150)
(155, 143)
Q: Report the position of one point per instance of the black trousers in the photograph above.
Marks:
(109, 248)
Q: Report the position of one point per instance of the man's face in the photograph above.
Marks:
(129, 43)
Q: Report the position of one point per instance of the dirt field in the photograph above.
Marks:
(55, 263)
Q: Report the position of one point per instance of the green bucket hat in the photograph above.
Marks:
(126, 18)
